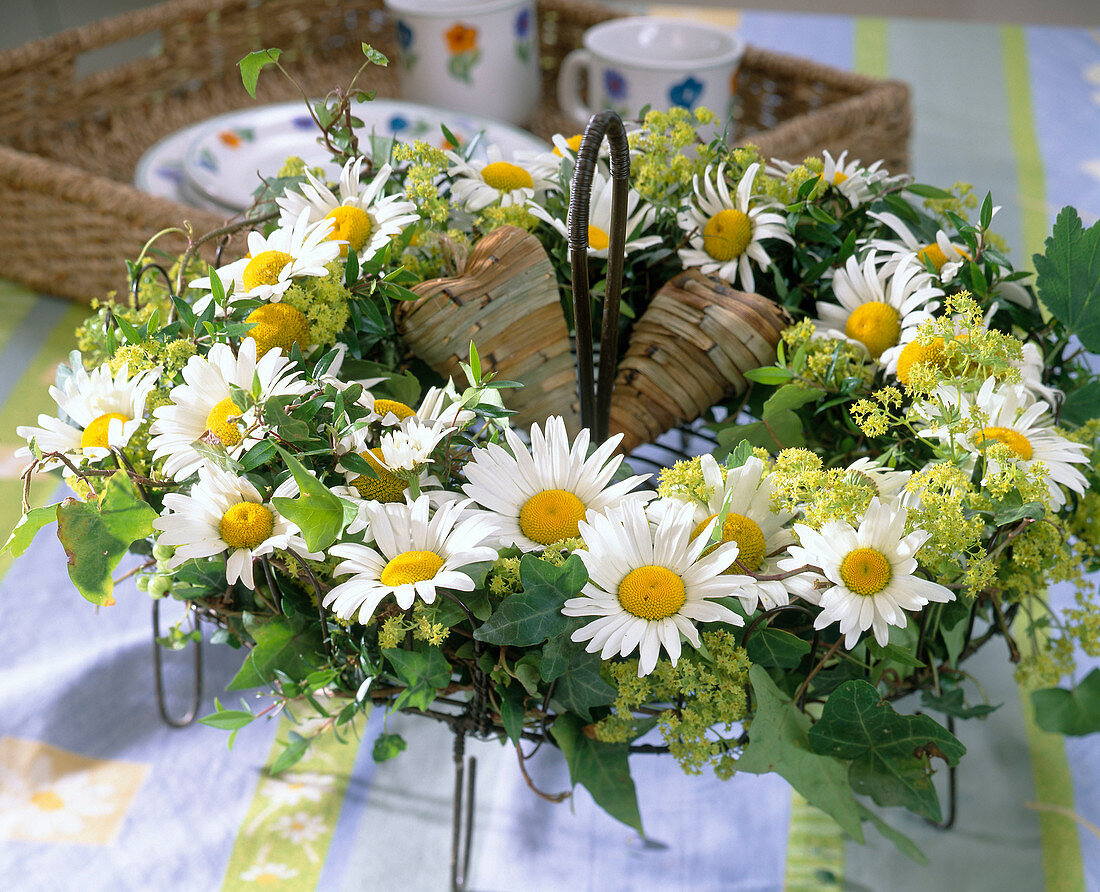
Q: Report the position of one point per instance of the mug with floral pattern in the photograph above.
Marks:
(651, 61)
(473, 56)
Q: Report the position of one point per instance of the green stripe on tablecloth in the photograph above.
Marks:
(815, 850)
(1025, 144)
(1063, 868)
(16, 301)
(289, 826)
(870, 48)
(27, 399)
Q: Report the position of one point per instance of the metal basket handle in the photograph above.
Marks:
(596, 402)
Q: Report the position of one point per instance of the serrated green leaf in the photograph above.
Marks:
(279, 647)
(778, 742)
(423, 671)
(1075, 712)
(98, 533)
(1082, 403)
(386, 746)
(890, 752)
(776, 648)
(251, 65)
(790, 396)
(533, 615)
(1068, 278)
(601, 768)
(27, 528)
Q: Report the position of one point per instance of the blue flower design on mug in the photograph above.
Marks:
(398, 123)
(523, 23)
(686, 93)
(404, 35)
(614, 84)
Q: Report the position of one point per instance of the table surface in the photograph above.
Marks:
(1014, 110)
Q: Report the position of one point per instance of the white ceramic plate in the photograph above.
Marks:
(226, 159)
(159, 172)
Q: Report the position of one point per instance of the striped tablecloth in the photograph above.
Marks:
(96, 793)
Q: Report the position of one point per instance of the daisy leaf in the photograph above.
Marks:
(779, 742)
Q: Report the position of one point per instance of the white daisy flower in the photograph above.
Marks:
(478, 184)
(410, 446)
(945, 256)
(444, 404)
(851, 179)
(877, 308)
(412, 557)
(98, 411)
(888, 484)
(223, 514)
(640, 217)
(272, 263)
(203, 405)
(364, 218)
(540, 496)
(1011, 416)
(648, 585)
(268, 873)
(726, 231)
(871, 571)
(46, 800)
(760, 533)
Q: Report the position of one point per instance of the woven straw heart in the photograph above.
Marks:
(688, 351)
(506, 301)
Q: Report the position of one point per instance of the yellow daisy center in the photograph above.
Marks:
(48, 800)
(597, 238)
(550, 516)
(915, 352)
(384, 407)
(652, 592)
(933, 253)
(727, 234)
(746, 533)
(506, 177)
(353, 225)
(1014, 440)
(268, 879)
(218, 423)
(410, 566)
(264, 269)
(278, 326)
(246, 525)
(876, 325)
(839, 177)
(95, 434)
(866, 571)
(386, 487)
(574, 143)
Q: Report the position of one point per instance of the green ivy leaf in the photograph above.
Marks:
(251, 65)
(97, 534)
(317, 511)
(779, 742)
(512, 710)
(890, 753)
(776, 648)
(423, 671)
(581, 686)
(27, 528)
(533, 615)
(951, 702)
(386, 746)
(279, 646)
(1075, 712)
(601, 768)
(904, 844)
(1068, 276)
(561, 652)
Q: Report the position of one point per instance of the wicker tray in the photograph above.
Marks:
(70, 140)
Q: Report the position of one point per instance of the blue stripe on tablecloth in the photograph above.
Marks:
(827, 39)
(1064, 65)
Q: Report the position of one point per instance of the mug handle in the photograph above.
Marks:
(569, 96)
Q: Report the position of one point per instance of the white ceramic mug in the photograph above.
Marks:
(475, 56)
(648, 60)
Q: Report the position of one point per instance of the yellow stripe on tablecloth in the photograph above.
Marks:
(286, 834)
(729, 18)
(1031, 182)
(815, 850)
(870, 47)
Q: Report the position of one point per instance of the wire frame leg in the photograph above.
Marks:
(952, 790)
(462, 813)
(158, 674)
